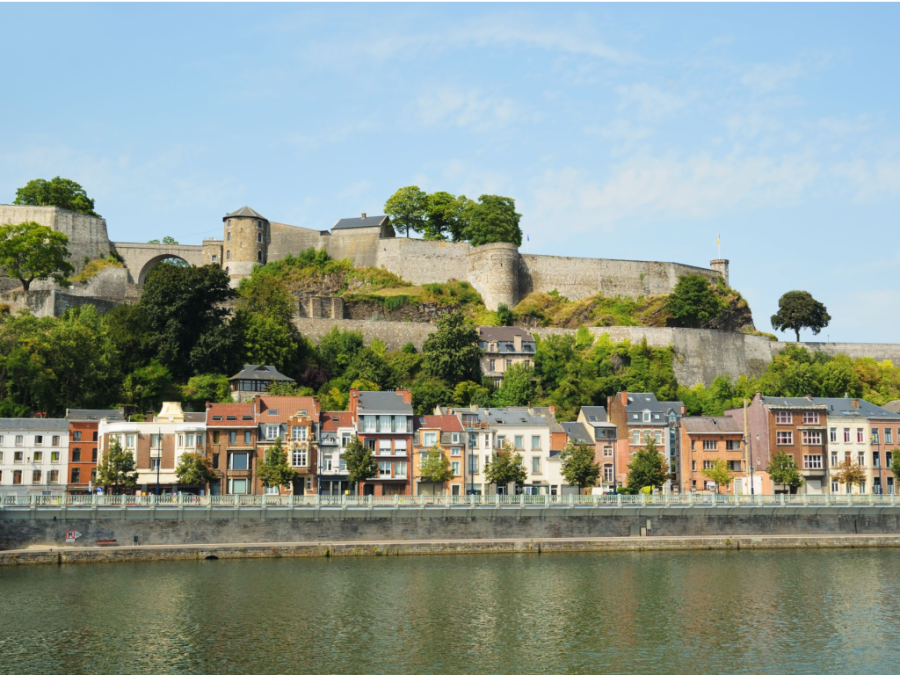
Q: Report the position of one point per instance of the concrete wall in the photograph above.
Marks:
(47, 527)
(422, 262)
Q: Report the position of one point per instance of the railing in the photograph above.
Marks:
(186, 500)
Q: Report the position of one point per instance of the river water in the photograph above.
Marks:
(694, 612)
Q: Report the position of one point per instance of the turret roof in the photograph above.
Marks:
(244, 212)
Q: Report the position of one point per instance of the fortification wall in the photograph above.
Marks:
(493, 269)
(87, 235)
(110, 283)
(288, 239)
(53, 302)
(359, 246)
(424, 262)
(577, 278)
(855, 350)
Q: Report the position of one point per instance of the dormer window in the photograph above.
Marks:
(646, 416)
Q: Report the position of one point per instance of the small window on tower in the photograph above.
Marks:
(259, 237)
(215, 258)
(227, 255)
(259, 224)
(259, 256)
(229, 222)
(228, 236)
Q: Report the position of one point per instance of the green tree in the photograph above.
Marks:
(274, 469)
(29, 252)
(505, 316)
(263, 292)
(360, 463)
(206, 388)
(693, 302)
(435, 466)
(428, 393)
(895, 465)
(147, 387)
(505, 467)
(194, 469)
(116, 469)
(719, 473)
(268, 340)
(647, 468)
(452, 352)
(285, 388)
(185, 311)
(517, 387)
(798, 309)
(337, 348)
(367, 364)
(471, 393)
(579, 466)
(408, 209)
(783, 471)
(494, 219)
(850, 474)
(446, 216)
(61, 192)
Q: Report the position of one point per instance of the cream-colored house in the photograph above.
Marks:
(504, 347)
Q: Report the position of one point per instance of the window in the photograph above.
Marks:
(455, 468)
(20, 440)
(875, 440)
(215, 461)
(248, 437)
(384, 424)
(734, 465)
(646, 417)
(258, 224)
(454, 438)
(783, 418)
(239, 461)
(54, 441)
(299, 457)
(508, 364)
(607, 451)
(229, 222)
(861, 458)
(784, 437)
(384, 469)
(832, 435)
(492, 365)
(535, 465)
(76, 475)
(259, 253)
(732, 445)
(635, 437)
(54, 457)
(608, 473)
(400, 446)
(473, 463)
(835, 486)
(812, 461)
(76, 435)
(846, 435)
(154, 463)
(876, 460)
(862, 487)
(215, 258)
(860, 435)
(709, 445)
(227, 257)
(273, 490)
(17, 477)
(328, 463)
(237, 486)
(76, 454)
(888, 459)
(456, 451)
(259, 241)
(535, 442)
(38, 457)
(812, 438)
(38, 440)
(18, 457)
(272, 431)
(487, 441)
(298, 434)
(36, 477)
(834, 459)
(810, 418)
(53, 477)
(228, 236)
(657, 437)
(232, 437)
(888, 436)
(400, 469)
(93, 454)
(708, 464)
(429, 439)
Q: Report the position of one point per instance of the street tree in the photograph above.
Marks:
(693, 302)
(783, 470)
(360, 463)
(116, 469)
(274, 470)
(505, 467)
(32, 252)
(647, 468)
(850, 474)
(579, 466)
(408, 209)
(895, 465)
(451, 352)
(194, 469)
(797, 310)
(494, 219)
(435, 466)
(61, 192)
(719, 473)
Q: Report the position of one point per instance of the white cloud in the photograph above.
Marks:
(768, 77)
(308, 142)
(647, 101)
(470, 108)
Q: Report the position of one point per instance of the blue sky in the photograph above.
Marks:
(622, 131)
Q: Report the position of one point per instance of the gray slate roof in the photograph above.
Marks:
(495, 416)
(576, 432)
(257, 372)
(503, 333)
(34, 424)
(594, 413)
(244, 212)
(84, 415)
(357, 223)
(387, 402)
(711, 425)
(794, 401)
(844, 406)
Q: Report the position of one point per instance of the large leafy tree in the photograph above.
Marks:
(579, 466)
(451, 352)
(719, 473)
(61, 192)
(850, 474)
(798, 310)
(517, 387)
(146, 387)
(783, 470)
(116, 469)
(185, 312)
(494, 219)
(360, 463)
(693, 302)
(435, 466)
(337, 348)
(428, 393)
(505, 467)
(408, 209)
(274, 469)
(446, 216)
(207, 388)
(195, 469)
(29, 252)
(266, 339)
(648, 468)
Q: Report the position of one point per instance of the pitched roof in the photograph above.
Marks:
(792, 402)
(711, 425)
(594, 413)
(244, 212)
(279, 409)
(34, 423)
(500, 416)
(892, 406)
(357, 223)
(503, 334)
(844, 406)
(332, 421)
(239, 411)
(258, 372)
(648, 401)
(383, 402)
(576, 432)
(442, 422)
(86, 415)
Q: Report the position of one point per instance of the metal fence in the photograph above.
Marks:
(185, 500)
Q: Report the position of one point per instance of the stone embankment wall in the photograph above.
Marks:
(197, 526)
(855, 350)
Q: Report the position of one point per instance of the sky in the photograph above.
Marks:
(633, 131)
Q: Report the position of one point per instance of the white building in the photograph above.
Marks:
(34, 456)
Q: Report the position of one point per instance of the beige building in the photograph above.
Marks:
(503, 347)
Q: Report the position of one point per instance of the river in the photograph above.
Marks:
(834, 611)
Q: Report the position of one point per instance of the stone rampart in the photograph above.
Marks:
(424, 262)
(394, 334)
(53, 302)
(855, 350)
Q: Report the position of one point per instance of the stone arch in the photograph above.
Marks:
(153, 262)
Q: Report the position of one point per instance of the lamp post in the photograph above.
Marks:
(159, 458)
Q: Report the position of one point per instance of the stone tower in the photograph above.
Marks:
(493, 269)
(720, 266)
(245, 243)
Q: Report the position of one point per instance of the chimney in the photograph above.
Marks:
(624, 396)
(364, 216)
(552, 409)
(407, 395)
(473, 408)
(683, 410)
(854, 402)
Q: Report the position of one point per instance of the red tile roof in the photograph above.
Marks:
(223, 410)
(287, 407)
(442, 422)
(332, 420)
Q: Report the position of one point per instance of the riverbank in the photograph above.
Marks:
(98, 554)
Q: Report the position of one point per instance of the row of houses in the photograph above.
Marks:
(54, 456)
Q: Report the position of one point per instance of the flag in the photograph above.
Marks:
(719, 240)
(527, 238)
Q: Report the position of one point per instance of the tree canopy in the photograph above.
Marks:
(647, 468)
(360, 463)
(116, 469)
(798, 310)
(274, 469)
(494, 219)
(505, 467)
(29, 252)
(579, 466)
(435, 466)
(408, 209)
(693, 302)
(783, 470)
(719, 473)
(60, 192)
(194, 469)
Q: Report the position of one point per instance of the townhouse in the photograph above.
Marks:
(504, 347)
(639, 418)
(231, 441)
(295, 421)
(34, 456)
(383, 420)
(337, 431)
(446, 434)
(84, 446)
(705, 440)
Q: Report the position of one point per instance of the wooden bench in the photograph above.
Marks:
(106, 542)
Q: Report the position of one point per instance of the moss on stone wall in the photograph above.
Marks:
(93, 267)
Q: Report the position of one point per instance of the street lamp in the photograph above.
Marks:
(159, 458)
